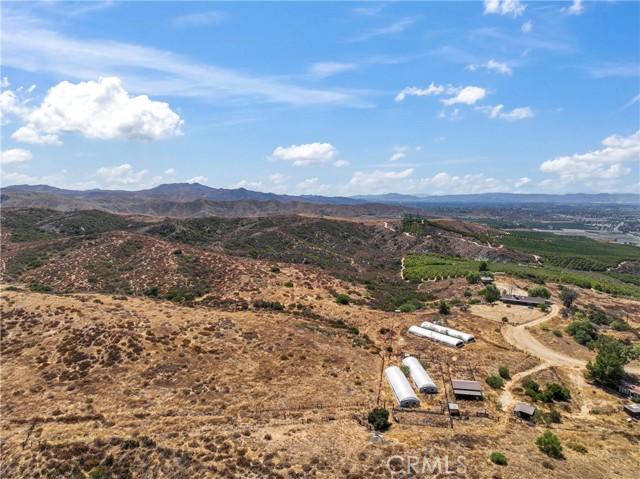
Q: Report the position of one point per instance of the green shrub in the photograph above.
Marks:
(557, 332)
(288, 284)
(539, 292)
(473, 278)
(499, 458)
(549, 444)
(40, 288)
(495, 382)
(529, 383)
(275, 269)
(443, 308)
(342, 299)
(576, 446)
(503, 371)
(153, 292)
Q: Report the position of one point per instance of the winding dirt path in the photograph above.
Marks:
(519, 337)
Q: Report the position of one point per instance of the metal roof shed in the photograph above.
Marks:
(466, 385)
(525, 411)
(633, 410)
(420, 377)
(401, 387)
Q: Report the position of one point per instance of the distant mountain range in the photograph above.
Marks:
(194, 199)
(504, 198)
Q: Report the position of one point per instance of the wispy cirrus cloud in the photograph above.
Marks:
(498, 112)
(576, 8)
(493, 65)
(30, 45)
(201, 19)
(327, 69)
(390, 29)
(614, 69)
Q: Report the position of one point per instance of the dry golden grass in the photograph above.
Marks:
(160, 390)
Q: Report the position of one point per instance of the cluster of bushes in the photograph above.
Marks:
(582, 331)
(553, 391)
(262, 304)
(410, 306)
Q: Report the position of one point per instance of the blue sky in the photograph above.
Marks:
(333, 98)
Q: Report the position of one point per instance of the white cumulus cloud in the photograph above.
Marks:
(198, 179)
(26, 134)
(504, 7)
(597, 166)
(522, 181)
(11, 105)
(468, 95)
(527, 26)
(103, 110)
(341, 163)
(15, 155)
(309, 154)
(121, 175)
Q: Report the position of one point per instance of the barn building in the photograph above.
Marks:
(466, 389)
(514, 299)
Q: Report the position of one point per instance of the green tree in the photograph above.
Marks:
(483, 266)
(568, 296)
(503, 371)
(608, 368)
(491, 293)
(540, 292)
(379, 419)
(549, 444)
(443, 308)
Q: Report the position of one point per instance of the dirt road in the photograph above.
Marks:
(519, 337)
